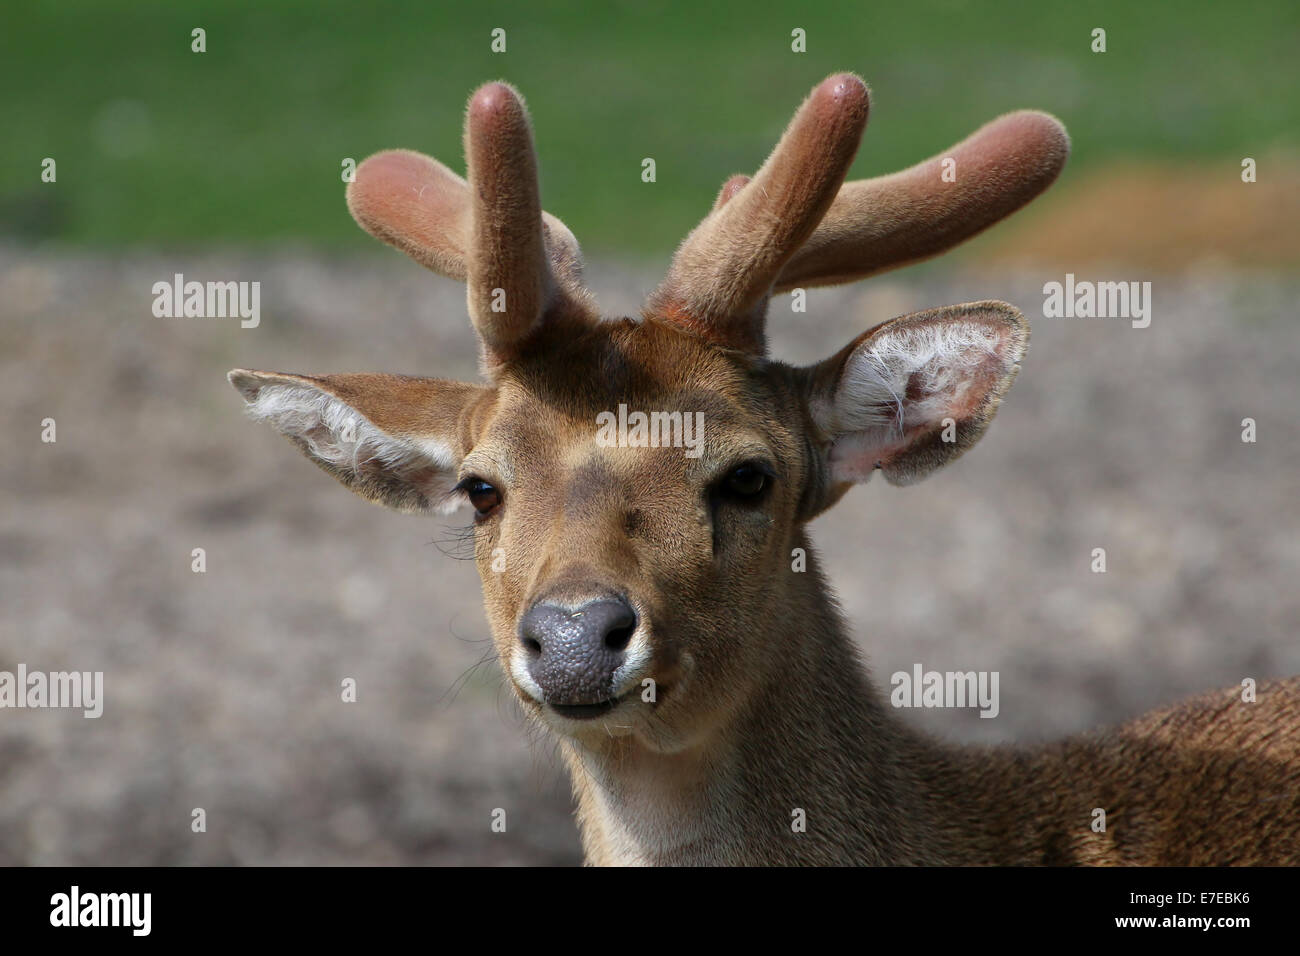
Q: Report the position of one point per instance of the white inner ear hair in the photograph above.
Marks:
(339, 435)
(914, 376)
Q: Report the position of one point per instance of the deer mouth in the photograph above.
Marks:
(586, 711)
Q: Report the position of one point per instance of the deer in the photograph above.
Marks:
(642, 601)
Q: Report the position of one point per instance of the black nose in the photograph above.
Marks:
(573, 654)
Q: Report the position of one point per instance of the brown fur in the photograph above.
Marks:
(762, 707)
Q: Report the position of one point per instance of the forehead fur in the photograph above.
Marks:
(625, 361)
(548, 401)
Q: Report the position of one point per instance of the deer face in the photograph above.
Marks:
(625, 582)
(638, 488)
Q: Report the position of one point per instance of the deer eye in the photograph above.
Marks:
(483, 496)
(746, 481)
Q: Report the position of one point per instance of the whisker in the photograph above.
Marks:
(459, 683)
(459, 542)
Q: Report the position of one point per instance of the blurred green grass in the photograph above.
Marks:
(160, 146)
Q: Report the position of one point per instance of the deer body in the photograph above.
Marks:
(709, 703)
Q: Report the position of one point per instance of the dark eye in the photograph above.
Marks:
(745, 481)
(484, 497)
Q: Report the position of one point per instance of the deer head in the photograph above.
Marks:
(610, 568)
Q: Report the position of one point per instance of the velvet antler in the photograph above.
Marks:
(522, 265)
(798, 224)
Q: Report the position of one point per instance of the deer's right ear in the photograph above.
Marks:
(395, 440)
(912, 394)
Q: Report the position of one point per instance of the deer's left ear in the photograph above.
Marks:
(914, 393)
(396, 440)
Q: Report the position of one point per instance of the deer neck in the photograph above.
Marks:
(813, 770)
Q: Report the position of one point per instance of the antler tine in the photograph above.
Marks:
(415, 203)
(883, 223)
(721, 275)
(489, 232)
(509, 282)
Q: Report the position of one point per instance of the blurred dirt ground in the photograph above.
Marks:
(223, 688)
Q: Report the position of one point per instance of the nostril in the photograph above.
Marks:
(534, 646)
(620, 637)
